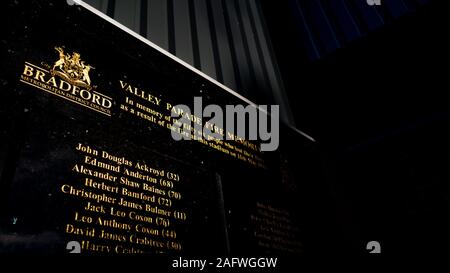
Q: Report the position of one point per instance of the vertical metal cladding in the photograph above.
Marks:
(224, 39)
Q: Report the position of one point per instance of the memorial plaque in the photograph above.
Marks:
(88, 162)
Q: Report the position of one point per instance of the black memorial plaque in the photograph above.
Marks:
(87, 153)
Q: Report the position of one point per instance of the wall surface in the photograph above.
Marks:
(227, 40)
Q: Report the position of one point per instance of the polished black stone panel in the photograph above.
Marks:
(60, 152)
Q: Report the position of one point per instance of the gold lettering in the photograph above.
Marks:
(88, 245)
(28, 71)
(39, 76)
(145, 241)
(140, 93)
(71, 229)
(101, 186)
(96, 99)
(61, 86)
(125, 250)
(52, 81)
(86, 149)
(112, 236)
(42, 80)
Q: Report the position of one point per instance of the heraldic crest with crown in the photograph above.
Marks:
(72, 69)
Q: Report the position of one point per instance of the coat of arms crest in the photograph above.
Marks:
(72, 69)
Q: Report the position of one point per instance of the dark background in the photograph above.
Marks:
(378, 107)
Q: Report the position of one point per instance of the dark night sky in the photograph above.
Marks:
(379, 108)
